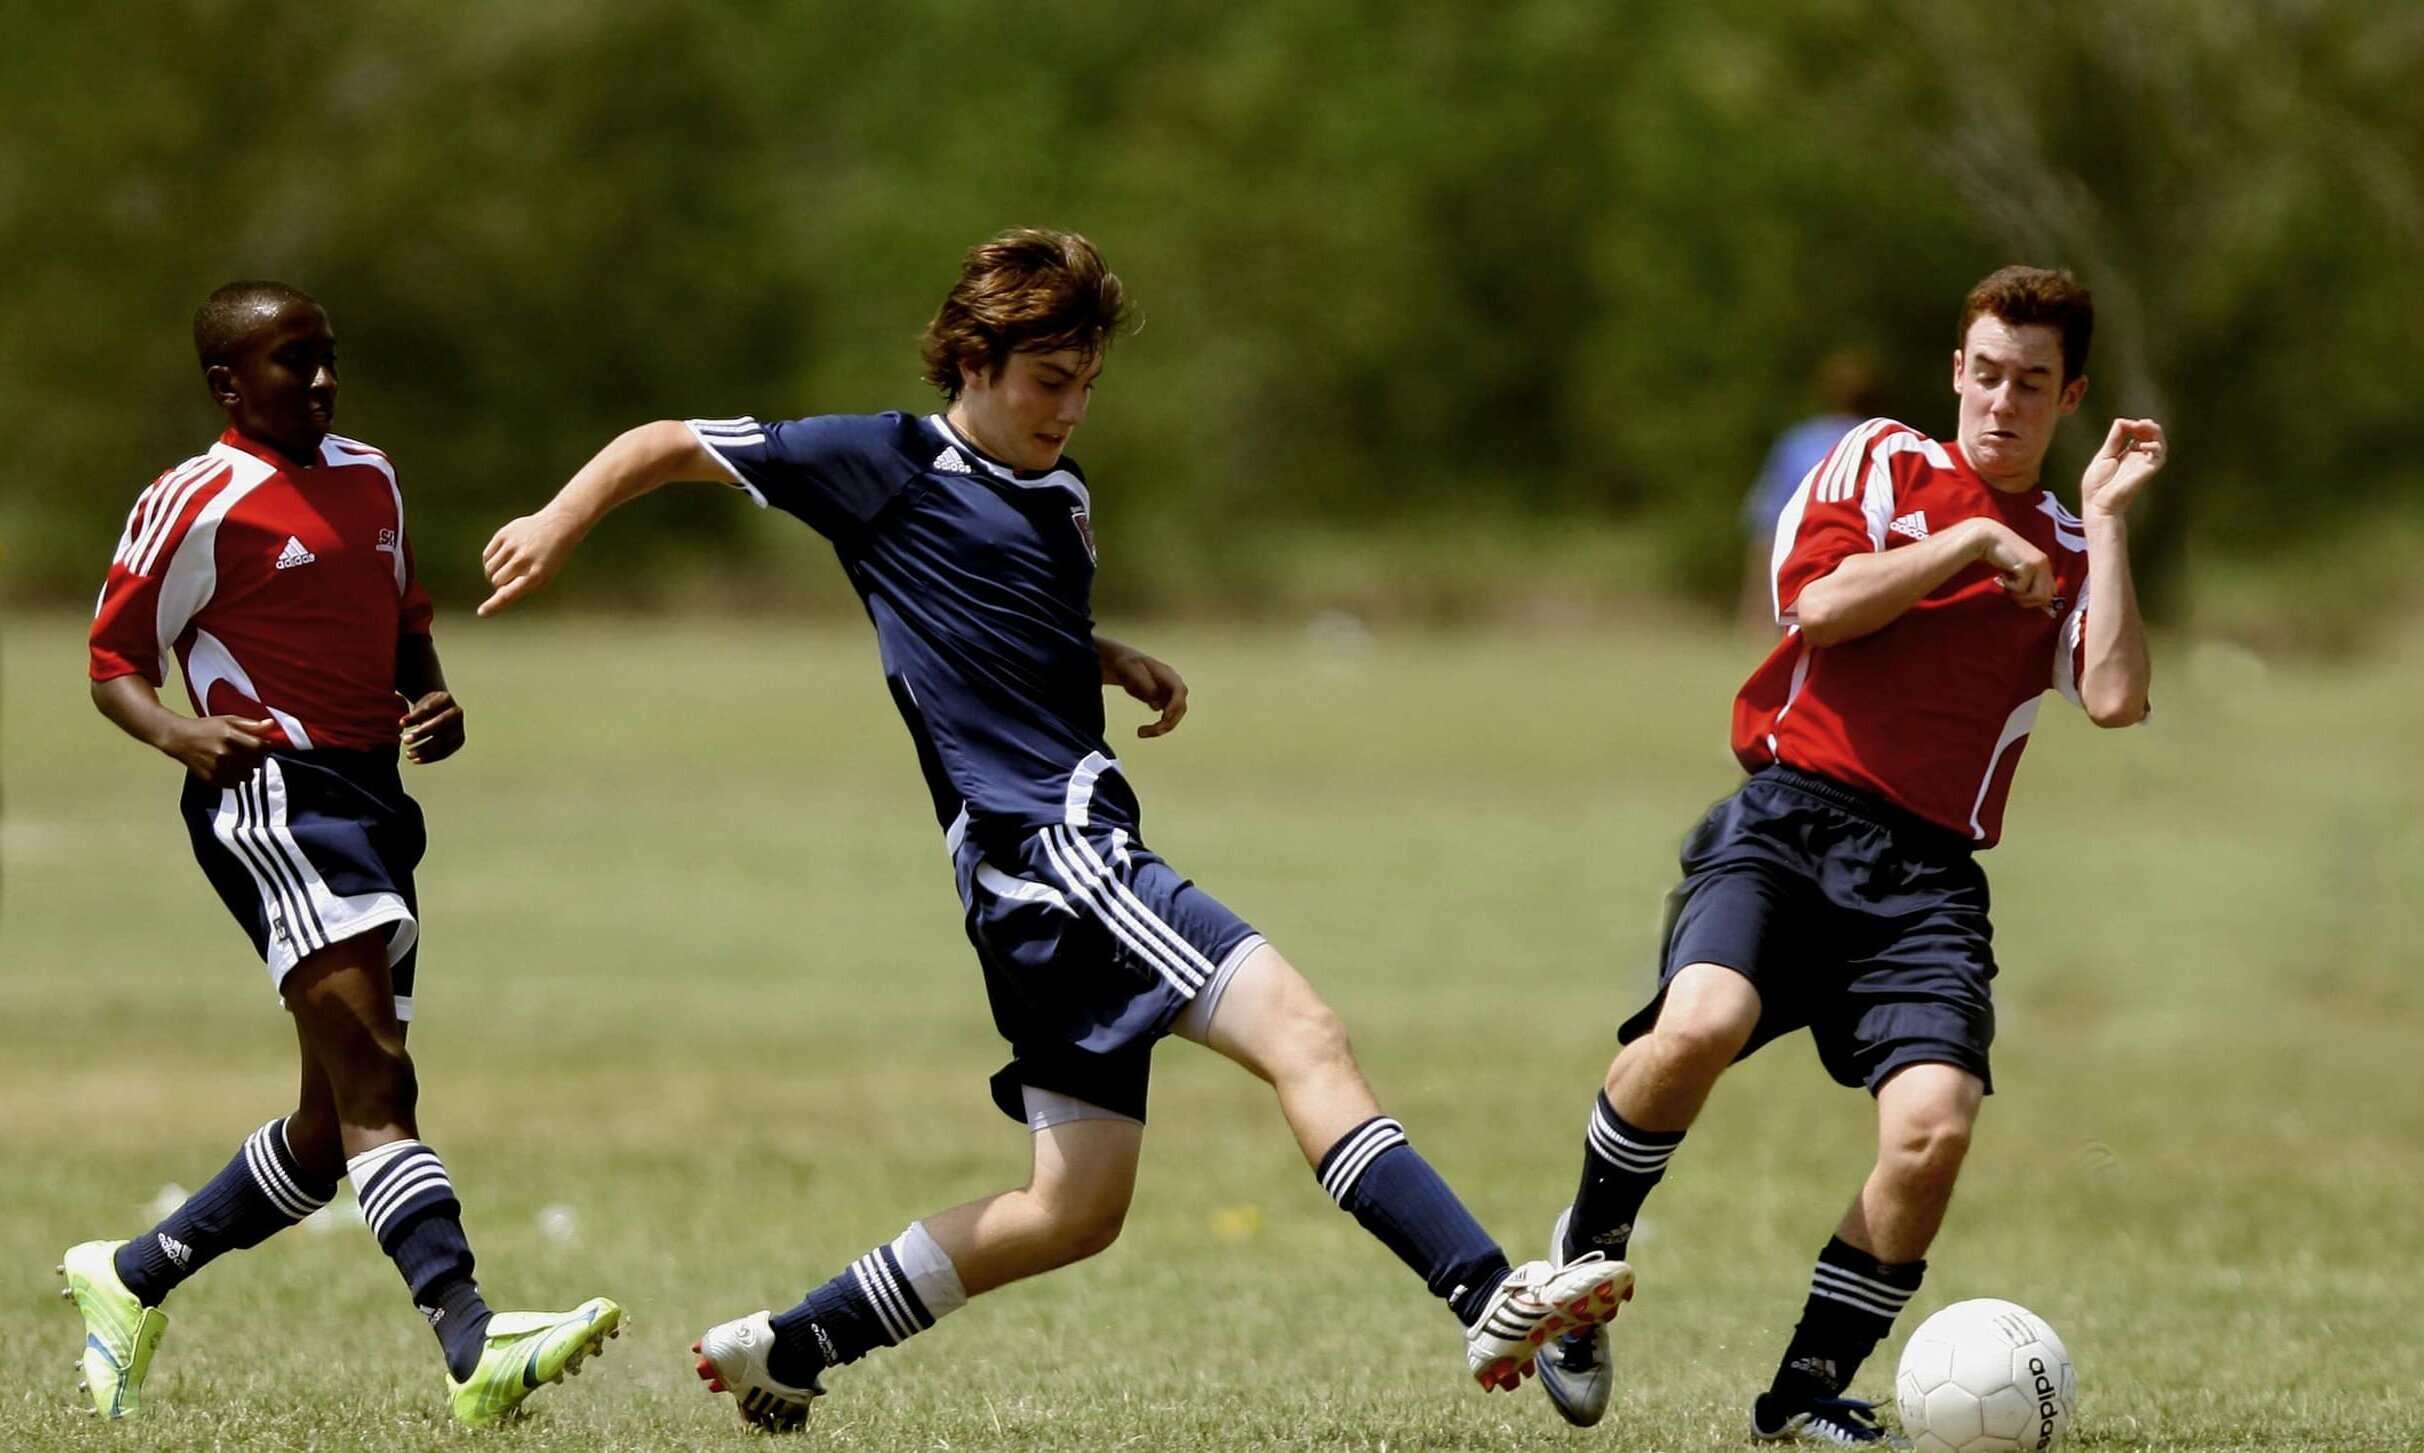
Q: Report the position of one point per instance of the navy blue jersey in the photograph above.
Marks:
(980, 582)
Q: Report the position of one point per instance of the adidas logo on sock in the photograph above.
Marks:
(824, 1344)
(176, 1251)
(1616, 1237)
(949, 462)
(434, 1314)
(294, 554)
(1913, 524)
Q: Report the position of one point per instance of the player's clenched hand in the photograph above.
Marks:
(2020, 567)
(433, 728)
(1152, 682)
(2114, 479)
(523, 556)
(221, 750)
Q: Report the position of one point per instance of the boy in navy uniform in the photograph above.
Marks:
(1932, 594)
(969, 538)
(276, 569)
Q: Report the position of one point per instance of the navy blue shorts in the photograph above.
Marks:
(1092, 948)
(1853, 918)
(313, 848)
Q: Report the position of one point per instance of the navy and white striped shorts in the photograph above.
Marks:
(314, 848)
(1092, 947)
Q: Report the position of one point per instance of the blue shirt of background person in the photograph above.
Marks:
(1847, 391)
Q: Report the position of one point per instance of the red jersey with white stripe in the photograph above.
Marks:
(281, 590)
(1932, 711)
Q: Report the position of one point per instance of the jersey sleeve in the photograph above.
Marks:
(836, 472)
(417, 608)
(1841, 509)
(139, 617)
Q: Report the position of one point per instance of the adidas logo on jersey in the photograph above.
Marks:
(294, 554)
(949, 462)
(1913, 524)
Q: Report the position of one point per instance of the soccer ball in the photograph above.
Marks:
(1985, 1377)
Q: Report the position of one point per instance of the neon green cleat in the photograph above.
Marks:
(120, 1333)
(528, 1350)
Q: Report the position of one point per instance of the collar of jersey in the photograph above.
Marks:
(1051, 479)
(255, 449)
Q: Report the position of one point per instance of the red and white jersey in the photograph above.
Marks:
(1932, 711)
(281, 590)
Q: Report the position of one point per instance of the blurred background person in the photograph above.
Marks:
(1847, 392)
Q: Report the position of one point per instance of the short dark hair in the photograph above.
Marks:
(228, 315)
(2022, 296)
(1029, 290)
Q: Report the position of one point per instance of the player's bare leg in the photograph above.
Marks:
(1271, 1021)
(1873, 1266)
(1925, 1115)
(1661, 1080)
(1654, 1090)
(343, 1002)
(1075, 1200)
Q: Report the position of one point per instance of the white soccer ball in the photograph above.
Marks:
(1985, 1376)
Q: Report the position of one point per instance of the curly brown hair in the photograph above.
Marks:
(1029, 290)
(2021, 296)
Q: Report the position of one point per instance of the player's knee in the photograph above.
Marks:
(1085, 1226)
(1314, 1040)
(1699, 1045)
(1932, 1145)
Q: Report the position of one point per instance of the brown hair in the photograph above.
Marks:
(2022, 296)
(1027, 291)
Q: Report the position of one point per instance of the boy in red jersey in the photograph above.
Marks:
(1932, 595)
(275, 567)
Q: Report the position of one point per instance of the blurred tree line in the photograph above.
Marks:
(1423, 265)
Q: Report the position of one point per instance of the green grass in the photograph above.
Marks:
(693, 968)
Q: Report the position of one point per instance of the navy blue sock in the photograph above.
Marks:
(870, 1305)
(260, 1193)
(1853, 1301)
(410, 1207)
(1620, 1162)
(1379, 1179)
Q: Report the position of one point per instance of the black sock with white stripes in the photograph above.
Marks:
(871, 1304)
(1620, 1162)
(410, 1206)
(1375, 1176)
(261, 1192)
(1854, 1299)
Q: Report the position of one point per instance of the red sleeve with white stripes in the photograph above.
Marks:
(130, 632)
(1839, 511)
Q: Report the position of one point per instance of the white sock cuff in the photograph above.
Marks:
(930, 1272)
(370, 1162)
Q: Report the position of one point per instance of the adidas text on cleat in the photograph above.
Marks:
(120, 1333)
(525, 1351)
(1574, 1369)
(1845, 1422)
(732, 1358)
(1536, 1302)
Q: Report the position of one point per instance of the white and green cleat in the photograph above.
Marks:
(120, 1333)
(525, 1351)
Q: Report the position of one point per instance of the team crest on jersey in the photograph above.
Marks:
(387, 541)
(1085, 529)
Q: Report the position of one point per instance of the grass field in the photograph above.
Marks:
(692, 969)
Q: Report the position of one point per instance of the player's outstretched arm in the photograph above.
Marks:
(1155, 683)
(2114, 677)
(1867, 592)
(221, 750)
(528, 552)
